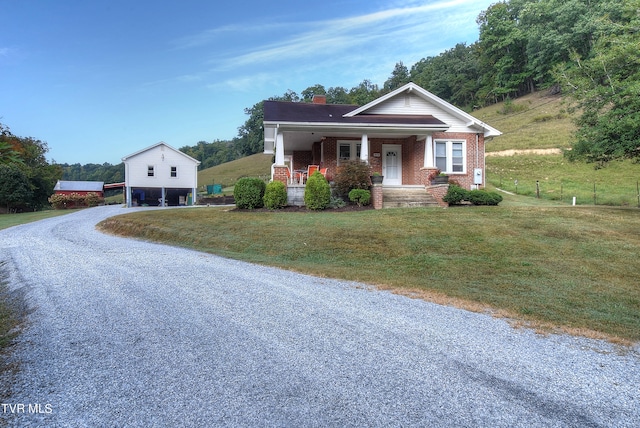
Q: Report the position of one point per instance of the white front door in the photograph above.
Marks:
(392, 164)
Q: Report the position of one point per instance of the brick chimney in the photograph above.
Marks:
(319, 99)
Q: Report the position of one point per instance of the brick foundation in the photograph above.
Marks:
(376, 196)
(426, 174)
(280, 174)
(439, 191)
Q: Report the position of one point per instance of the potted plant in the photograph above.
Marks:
(376, 178)
(439, 178)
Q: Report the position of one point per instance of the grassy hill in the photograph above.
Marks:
(536, 121)
(258, 165)
(532, 126)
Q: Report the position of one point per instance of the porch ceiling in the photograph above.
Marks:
(303, 139)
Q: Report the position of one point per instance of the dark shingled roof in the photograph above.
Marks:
(282, 111)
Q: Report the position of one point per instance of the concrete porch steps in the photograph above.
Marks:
(403, 197)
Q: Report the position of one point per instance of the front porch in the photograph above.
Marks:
(386, 196)
(408, 197)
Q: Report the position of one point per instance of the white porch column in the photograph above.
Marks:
(279, 149)
(428, 152)
(364, 149)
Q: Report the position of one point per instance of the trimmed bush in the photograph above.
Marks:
(248, 193)
(75, 200)
(352, 175)
(360, 196)
(482, 197)
(455, 195)
(275, 195)
(317, 193)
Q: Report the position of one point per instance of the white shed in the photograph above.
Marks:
(160, 176)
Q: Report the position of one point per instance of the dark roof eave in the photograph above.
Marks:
(379, 127)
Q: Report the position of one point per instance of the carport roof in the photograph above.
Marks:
(79, 186)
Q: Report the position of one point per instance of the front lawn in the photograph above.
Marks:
(574, 268)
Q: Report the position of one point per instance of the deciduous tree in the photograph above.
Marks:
(606, 89)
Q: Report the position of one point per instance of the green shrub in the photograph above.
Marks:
(336, 202)
(509, 107)
(248, 193)
(92, 199)
(317, 193)
(75, 200)
(351, 175)
(455, 195)
(482, 197)
(360, 196)
(275, 195)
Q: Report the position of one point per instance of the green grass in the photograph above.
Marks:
(8, 316)
(560, 180)
(258, 165)
(573, 268)
(9, 220)
(538, 121)
(11, 311)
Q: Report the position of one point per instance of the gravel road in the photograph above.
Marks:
(130, 333)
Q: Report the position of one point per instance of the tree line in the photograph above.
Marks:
(26, 178)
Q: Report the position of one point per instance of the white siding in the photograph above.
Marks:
(411, 104)
(162, 158)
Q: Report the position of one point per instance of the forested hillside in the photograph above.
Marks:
(585, 50)
(26, 178)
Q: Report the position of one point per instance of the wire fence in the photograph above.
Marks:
(591, 193)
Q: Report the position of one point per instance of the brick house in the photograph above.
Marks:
(406, 136)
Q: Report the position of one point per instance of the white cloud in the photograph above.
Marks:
(409, 24)
(405, 31)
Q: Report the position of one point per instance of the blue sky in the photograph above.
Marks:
(100, 79)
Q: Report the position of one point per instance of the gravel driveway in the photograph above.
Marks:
(129, 333)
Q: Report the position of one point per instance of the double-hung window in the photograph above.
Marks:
(450, 156)
(348, 150)
(174, 172)
(151, 172)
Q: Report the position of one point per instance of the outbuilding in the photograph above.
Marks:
(79, 187)
(160, 175)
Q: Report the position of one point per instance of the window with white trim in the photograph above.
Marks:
(450, 156)
(151, 172)
(174, 172)
(348, 150)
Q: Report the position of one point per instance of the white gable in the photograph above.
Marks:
(411, 99)
(161, 166)
(406, 103)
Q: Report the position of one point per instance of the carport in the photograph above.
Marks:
(154, 196)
